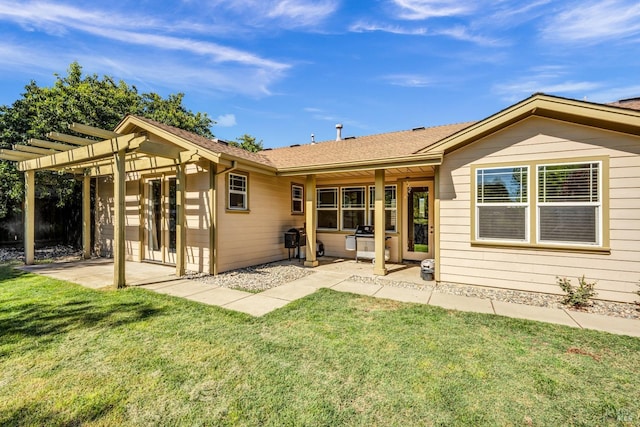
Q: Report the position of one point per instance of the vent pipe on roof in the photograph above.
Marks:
(313, 139)
(339, 132)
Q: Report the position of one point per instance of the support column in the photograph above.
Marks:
(310, 217)
(29, 216)
(213, 219)
(435, 241)
(180, 220)
(119, 174)
(86, 217)
(379, 225)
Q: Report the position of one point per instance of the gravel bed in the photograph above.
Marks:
(608, 308)
(58, 253)
(254, 279)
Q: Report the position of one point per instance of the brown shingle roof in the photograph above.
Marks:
(631, 103)
(209, 144)
(362, 148)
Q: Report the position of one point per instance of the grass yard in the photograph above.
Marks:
(71, 356)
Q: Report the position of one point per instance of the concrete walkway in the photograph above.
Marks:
(98, 273)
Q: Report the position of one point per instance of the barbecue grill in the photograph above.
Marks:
(363, 243)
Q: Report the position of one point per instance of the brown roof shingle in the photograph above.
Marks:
(362, 148)
(631, 103)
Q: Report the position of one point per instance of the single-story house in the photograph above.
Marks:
(548, 187)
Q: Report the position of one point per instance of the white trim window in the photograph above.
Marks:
(353, 207)
(297, 199)
(570, 203)
(327, 208)
(390, 207)
(237, 192)
(502, 203)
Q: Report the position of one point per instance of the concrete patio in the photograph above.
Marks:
(98, 273)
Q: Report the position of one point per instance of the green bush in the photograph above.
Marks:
(579, 296)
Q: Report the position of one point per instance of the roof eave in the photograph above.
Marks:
(564, 109)
(415, 160)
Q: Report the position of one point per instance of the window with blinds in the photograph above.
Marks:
(569, 203)
(502, 204)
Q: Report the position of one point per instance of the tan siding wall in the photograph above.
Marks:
(104, 218)
(256, 237)
(616, 273)
(197, 218)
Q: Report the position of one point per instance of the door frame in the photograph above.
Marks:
(406, 223)
(164, 254)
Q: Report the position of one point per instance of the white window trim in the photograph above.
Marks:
(526, 205)
(335, 208)
(244, 192)
(346, 209)
(371, 205)
(296, 199)
(598, 205)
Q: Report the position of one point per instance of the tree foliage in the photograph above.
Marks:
(248, 143)
(88, 99)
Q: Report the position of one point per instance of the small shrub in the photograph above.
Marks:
(579, 296)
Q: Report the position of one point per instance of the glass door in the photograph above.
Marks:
(418, 225)
(160, 219)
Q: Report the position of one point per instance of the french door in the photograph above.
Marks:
(160, 219)
(418, 220)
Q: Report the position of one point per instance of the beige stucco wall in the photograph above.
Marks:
(617, 274)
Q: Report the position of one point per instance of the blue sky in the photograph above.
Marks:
(281, 70)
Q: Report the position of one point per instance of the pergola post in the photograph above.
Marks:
(86, 216)
(310, 217)
(119, 174)
(379, 268)
(213, 219)
(29, 216)
(180, 220)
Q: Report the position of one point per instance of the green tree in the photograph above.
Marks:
(96, 101)
(248, 143)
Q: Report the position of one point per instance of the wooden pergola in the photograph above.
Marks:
(111, 154)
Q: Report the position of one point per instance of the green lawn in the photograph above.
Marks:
(71, 356)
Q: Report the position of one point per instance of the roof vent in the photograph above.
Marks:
(339, 132)
(313, 139)
(295, 145)
(418, 128)
(350, 137)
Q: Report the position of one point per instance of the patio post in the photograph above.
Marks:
(379, 267)
(180, 220)
(119, 173)
(86, 216)
(310, 218)
(29, 216)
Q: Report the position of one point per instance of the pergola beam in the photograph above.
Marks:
(160, 150)
(16, 155)
(51, 145)
(34, 150)
(75, 140)
(78, 155)
(93, 131)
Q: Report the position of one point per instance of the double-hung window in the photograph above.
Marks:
(502, 203)
(327, 208)
(237, 192)
(297, 199)
(390, 207)
(570, 203)
(562, 204)
(353, 207)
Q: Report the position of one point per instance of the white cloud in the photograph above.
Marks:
(547, 79)
(362, 27)
(301, 13)
(425, 9)
(226, 120)
(409, 80)
(595, 21)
